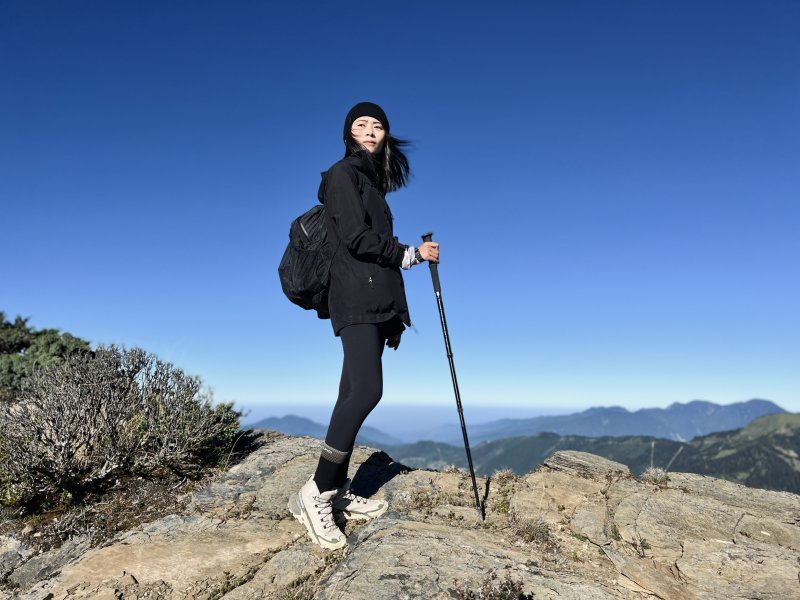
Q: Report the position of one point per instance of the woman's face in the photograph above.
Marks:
(369, 133)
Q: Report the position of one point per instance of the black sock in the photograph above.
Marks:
(341, 472)
(328, 474)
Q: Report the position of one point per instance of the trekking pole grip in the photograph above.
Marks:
(428, 237)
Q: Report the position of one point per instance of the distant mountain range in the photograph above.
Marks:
(293, 425)
(678, 422)
(755, 442)
(764, 454)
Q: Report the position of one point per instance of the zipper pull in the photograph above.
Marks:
(370, 281)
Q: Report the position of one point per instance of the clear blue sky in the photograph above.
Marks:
(615, 187)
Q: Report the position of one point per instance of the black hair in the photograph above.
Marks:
(390, 163)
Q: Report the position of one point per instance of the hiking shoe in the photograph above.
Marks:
(353, 506)
(314, 510)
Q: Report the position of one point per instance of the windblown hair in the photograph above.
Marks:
(391, 163)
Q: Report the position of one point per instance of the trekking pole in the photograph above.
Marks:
(428, 237)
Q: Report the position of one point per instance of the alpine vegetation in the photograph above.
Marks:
(23, 348)
(655, 475)
(93, 417)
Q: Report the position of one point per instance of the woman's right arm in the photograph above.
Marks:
(413, 256)
(343, 203)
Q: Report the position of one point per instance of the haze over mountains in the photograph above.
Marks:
(764, 452)
(294, 425)
(679, 421)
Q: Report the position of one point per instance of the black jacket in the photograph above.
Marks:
(366, 284)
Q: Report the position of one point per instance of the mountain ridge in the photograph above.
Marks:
(763, 454)
(679, 421)
(295, 425)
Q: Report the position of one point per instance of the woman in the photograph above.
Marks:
(367, 305)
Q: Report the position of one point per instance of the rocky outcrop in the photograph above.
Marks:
(579, 526)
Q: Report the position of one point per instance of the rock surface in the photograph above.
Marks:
(579, 526)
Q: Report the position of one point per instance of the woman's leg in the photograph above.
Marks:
(360, 390)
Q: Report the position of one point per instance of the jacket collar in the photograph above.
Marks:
(363, 161)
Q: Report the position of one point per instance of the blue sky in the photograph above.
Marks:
(614, 186)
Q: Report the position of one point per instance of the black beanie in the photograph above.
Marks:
(365, 109)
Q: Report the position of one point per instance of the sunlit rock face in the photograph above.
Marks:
(578, 526)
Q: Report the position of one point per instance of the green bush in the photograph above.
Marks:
(96, 416)
(22, 348)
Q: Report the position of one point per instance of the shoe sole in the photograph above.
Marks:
(298, 513)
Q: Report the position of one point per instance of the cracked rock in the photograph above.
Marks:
(599, 534)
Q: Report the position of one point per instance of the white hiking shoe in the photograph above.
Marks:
(353, 506)
(314, 510)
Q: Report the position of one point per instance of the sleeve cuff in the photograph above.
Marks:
(408, 257)
(399, 253)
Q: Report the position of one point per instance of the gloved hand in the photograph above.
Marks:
(392, 330)
(393, 341)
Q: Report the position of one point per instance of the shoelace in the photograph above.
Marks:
(325, 516)
(351, 496)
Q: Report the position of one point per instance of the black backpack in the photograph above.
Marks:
(306, 264)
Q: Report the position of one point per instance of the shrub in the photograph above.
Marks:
(529, 530)
(504, 477)
(22, 348)
(11, 490)
(92, 417)
(503, 505)
(655, 475)
(503, 480)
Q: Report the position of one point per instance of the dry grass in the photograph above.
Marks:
(132, 502)
(303, 590)
(529, 530)
(502, 483)
(427, 498)
(504, 477)
(656, 476)
(492, 588)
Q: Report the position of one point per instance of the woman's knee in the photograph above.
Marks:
(368, 392)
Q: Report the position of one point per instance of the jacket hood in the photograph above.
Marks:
(361, 160)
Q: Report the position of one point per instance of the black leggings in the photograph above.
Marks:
(361, 385)
(360, 390)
